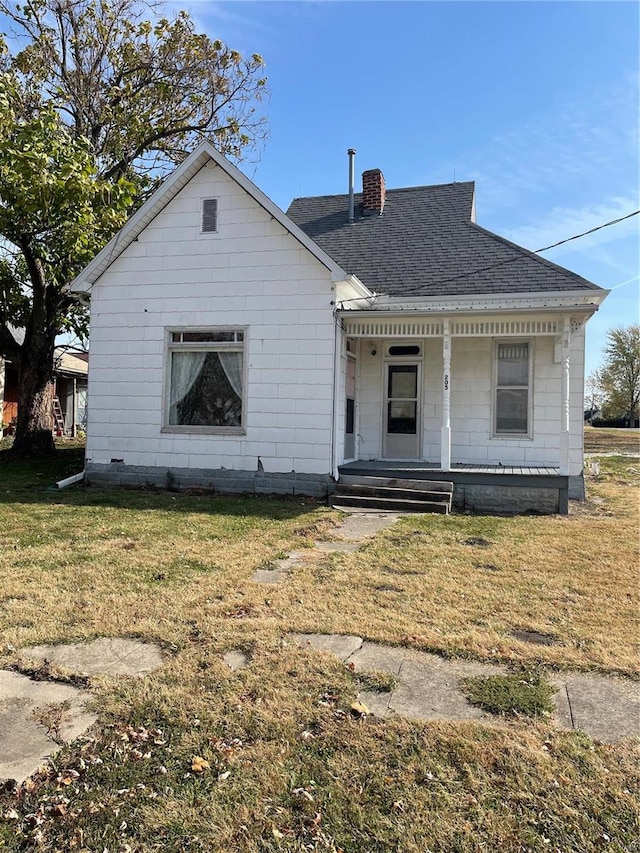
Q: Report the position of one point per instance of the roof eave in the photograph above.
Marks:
(582, 301)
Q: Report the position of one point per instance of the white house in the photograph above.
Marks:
(239, 348)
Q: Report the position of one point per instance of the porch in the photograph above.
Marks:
(483, 488)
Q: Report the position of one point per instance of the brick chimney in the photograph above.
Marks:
(373, 191)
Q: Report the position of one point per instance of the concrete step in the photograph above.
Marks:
(391, 492)
(390, 504)
(397, 483)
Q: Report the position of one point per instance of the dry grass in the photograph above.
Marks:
(573, 579)
(605, 440)
(303, 774)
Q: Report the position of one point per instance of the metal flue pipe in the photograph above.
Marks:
(351, 153)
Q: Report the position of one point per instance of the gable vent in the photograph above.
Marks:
(209, 215)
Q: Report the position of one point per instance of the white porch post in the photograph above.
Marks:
(445, 432)
(565, 408)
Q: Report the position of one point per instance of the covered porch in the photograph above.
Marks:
(490, 401)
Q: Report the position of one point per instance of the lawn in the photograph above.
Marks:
(289, 768)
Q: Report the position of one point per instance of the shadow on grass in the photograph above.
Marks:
(33, 481)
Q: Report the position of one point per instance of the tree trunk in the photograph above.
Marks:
(34, 429)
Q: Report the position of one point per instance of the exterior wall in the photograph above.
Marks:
(251, 273)
(471, 404)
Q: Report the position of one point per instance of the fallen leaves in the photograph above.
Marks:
(199, 764)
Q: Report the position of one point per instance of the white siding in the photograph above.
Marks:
(471, 404)
(250, 273)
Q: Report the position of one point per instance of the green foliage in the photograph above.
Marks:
(54, 208)
(526, 692)
(618, 380)
(96, 104)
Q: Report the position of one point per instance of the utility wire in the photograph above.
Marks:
(591, 231)
(528, 253)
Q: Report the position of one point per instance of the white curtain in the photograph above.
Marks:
(232, 365)
(185, 369)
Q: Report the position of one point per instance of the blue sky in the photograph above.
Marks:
(535, 101)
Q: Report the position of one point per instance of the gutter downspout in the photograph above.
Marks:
(69, 481)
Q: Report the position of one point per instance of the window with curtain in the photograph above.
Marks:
(512, 388)
(205, 387)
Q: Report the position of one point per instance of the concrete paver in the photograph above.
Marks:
(24, 741)
(268, 576)
(105, 656)
(344, 546)
(365, 525)
(376, 701)
(608, 709)
(430, 688)
(336, 644)
(282, 567)
(236, 659)
(372, 656)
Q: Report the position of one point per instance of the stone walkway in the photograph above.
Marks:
(38, 717)
(357, 528)
(428, 688)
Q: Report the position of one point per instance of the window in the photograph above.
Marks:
(512, 388)
(205, 382)
(209, 215)
(402, 401)
(406, 349)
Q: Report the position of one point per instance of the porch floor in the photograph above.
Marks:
(415, 469)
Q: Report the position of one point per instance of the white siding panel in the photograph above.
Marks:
(471, 404)
(250, 273)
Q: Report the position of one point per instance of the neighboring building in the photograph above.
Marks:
(70, 392)
(239, 348)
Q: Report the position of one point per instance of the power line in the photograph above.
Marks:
(590, 231)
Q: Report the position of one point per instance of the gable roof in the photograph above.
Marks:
(170, 187)
(426, 244)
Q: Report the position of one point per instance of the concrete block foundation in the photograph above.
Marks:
(222, 480)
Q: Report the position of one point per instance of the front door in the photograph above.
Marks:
(401, 437)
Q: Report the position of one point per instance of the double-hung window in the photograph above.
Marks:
(205, 387)
(512, 389)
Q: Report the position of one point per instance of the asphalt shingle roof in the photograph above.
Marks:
(425, 244)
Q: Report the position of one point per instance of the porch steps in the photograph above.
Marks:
(393, 494)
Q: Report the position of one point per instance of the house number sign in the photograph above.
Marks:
(446, 382)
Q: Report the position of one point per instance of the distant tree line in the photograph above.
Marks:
(613, 390)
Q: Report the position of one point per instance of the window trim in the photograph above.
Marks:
(511, 436)
(203, 346)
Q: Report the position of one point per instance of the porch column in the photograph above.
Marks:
(565, 407)
(445, 432)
